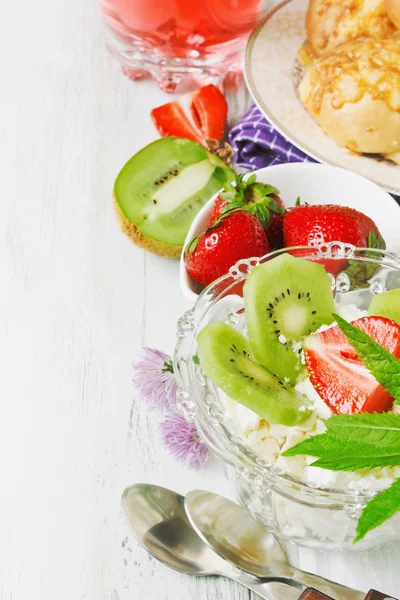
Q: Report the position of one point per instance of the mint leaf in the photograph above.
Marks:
(359, 456)
(378, 510)
(379, 429)
(349, 454)
(379, 361)
(317, 445)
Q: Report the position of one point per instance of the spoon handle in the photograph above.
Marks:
(265, 587)
(303, 582)
(312, 594)
(329, 588)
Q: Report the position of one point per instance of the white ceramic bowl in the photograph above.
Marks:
(314, 184)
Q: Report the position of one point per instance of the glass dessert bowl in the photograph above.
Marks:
(315, 511)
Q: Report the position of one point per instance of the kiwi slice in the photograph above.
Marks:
(227, 360)
(286, 298)
(161, 189)
(386, 305)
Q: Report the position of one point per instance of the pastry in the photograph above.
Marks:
(330, 23)
(354, 94)
(393, 11)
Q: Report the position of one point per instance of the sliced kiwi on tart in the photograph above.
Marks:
(386, 305)
(227, 360)
(286, 298)
(161, 189)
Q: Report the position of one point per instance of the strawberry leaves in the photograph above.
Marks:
(261, 200)
(359, 271)
(263, 215)
(257, 198)
(375, 240)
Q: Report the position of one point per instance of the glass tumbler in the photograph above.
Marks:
(174, 40)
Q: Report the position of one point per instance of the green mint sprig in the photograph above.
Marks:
(354, 442)
(378, 510)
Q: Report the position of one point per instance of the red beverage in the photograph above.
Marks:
(174, 38)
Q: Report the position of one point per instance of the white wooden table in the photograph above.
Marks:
(77, 301)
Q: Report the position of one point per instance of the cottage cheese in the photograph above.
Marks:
(270, 441)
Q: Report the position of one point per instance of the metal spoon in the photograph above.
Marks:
(157, 518)
(230, 531)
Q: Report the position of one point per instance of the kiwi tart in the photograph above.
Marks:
(160, 190)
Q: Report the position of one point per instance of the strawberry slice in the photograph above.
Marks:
(199, 116)
(338, 375)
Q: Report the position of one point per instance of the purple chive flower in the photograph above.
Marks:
(183, 441)
(154, 378)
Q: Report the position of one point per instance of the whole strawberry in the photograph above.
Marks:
(234, 236)
(275, 229)
(260, 199)
(309, 225)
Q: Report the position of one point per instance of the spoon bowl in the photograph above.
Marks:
(230, 531)
(157, 519)
(243, 549)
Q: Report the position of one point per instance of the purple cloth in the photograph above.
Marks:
(257, 144)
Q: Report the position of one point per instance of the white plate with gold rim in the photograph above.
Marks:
(270, 58)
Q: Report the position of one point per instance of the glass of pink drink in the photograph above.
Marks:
(174, 40)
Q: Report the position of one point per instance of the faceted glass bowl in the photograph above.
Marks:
(296, 511)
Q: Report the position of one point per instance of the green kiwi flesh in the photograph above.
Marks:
(386, 305)
(227, 360)
(162, 188)
(286, 298)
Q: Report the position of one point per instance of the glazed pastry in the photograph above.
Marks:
(354, 94)
(330, 23)
(393, 11)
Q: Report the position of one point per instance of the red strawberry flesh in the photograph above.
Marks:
(199, 116)
(339, 376)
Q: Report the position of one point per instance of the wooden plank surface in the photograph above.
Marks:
(77, 302)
